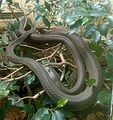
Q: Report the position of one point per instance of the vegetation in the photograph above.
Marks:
(91, 19)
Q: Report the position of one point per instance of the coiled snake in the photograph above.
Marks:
(78, 97)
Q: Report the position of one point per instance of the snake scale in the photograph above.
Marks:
(78, 97)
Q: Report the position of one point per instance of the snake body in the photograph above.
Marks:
(78, 98)
(80, 82)
(88, 57)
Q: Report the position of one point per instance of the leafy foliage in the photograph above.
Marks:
(14, 26)
(6, 88)
(92, 20)
(104, 97)
(29, 80)
(5, 38)
(90, 82)
(53, 114)
(9, 1)
(61, 102)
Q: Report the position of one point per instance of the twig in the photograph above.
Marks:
(31, 97)
(17, 78)
(6, 68)
(103, 54)
(13, 12)
(106, 85)
(64, 66)
(59, 64)
(53, 54)
(62, 57)
(12, 73)
(23, 67)
(51, 64)
(48, 57)
(42, 50)
(48, 48)
(28, 46)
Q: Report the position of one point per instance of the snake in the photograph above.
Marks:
(78, 98)
(77, 59)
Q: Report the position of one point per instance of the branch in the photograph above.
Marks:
(17, 78)
(64, 66)
(31, 97)
(63, 63)
(18, 69)
(60, 64)
(53, 54)
(13, 12)
(12, 73)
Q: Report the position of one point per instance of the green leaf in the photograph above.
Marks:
(39, 8)
(13, 86)
(98, 50)
(96, 36)
(80, 11)
(30, 79)
(41, 114)
(107, 5)
(62, 102)
(107, 74)
(9, 1)
(90, 82)
(96, 13)
(103, 28)
(67, 113)
(109, 43)
(97, 10)
(5, 38)
(47, 5)
(38, 104)
(4, 93)
(38, 18)
(77, 24)
(2, 52)
(11, 27)
(68, 18)
(28, 108)
(4, 85)
(85, 20)
(109, 60)
(14, 99)
(110, 20)
(46, 100)
(46, 21)
(104, 96)
(57, 115)
(72, 31)
(14, 26)
(46, 117)
(90, 28)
